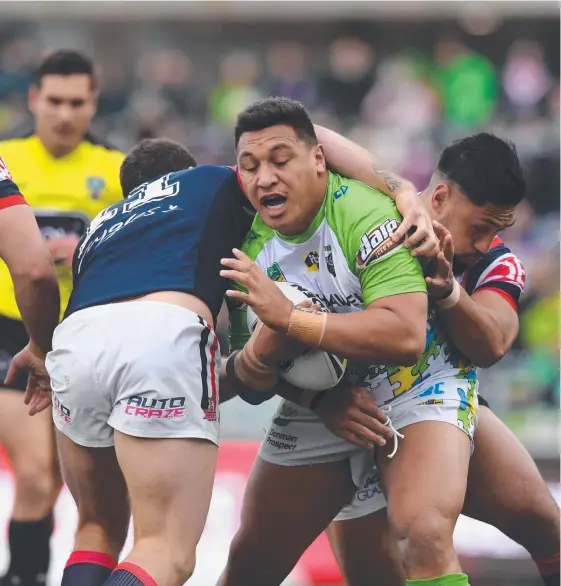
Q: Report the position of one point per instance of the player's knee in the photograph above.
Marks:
(424, 536)
(37, 482)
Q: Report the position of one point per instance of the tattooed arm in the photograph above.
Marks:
(351, 160)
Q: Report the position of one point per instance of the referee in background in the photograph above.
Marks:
(67, 177)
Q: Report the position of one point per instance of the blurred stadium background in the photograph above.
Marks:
(403, 79)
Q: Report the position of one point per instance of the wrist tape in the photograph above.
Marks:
(452, 299)
(307, 326)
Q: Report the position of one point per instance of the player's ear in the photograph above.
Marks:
(441, 197)
(321, 164)
(32, 98)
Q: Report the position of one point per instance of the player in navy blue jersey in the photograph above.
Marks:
(135, 367)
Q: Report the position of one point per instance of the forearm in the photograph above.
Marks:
(230, 387)
(381, 337)
(354, 161)
(32, 272)
(38, 299)
(476, 332)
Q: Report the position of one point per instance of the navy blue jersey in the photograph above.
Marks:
(167, 235)
(9, 193)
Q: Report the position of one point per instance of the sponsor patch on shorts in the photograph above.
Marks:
(173, 408)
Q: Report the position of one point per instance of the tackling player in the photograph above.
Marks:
(135, 367)
(505, 488)
(67, 177)
(439, 390)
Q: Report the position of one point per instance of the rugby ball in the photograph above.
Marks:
(314, 370)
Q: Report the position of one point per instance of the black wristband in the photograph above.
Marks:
(247, 395)
(316, 400)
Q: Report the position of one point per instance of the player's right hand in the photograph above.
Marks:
(38, 391)
(352, 414)
(422, 240)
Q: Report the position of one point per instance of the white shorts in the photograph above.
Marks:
(145, 368)
(297, 437)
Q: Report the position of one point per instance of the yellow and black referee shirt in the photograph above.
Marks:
(65, 193)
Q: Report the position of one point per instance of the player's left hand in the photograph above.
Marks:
(440, 285)
(38, 393)
(62, 249)
(423, 241)
(269, 303)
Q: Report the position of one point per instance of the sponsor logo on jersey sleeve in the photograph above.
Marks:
(274, 273)
(4, 173)
(312, 261)
(329, 260)
(377, 243)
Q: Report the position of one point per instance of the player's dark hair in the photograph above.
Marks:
(152, 158)
(486, 168)
(275, 111)
(65, 62)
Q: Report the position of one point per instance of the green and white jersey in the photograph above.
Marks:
(347, 258)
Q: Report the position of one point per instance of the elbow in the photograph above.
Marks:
(405, 352)
(487, 351)
(413, 348)
(490, 357)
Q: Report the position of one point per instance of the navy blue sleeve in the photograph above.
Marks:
(9, 193)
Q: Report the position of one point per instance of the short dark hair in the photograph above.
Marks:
(151, 158)
(65, 62)
(274, 111)
(486, 168)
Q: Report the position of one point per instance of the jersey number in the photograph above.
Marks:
(150, 192)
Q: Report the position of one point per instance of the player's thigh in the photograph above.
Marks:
(170, 485)
(505, 488)
(96, 483)
(284, 509)
(365, 551)
(428, 472)
(425, 481)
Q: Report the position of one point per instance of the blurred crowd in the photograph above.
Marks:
(404, 99)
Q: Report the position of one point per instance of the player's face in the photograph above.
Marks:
(472, 227)
(282, 176)
(63, 106)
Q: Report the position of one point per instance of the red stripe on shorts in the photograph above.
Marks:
(213, 349)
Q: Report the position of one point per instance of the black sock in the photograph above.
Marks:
(30, 551)
(87, 568)
(552, 579)
(127, 574)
